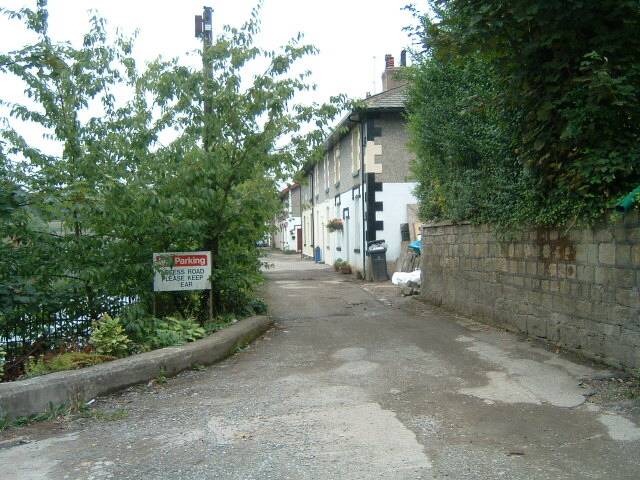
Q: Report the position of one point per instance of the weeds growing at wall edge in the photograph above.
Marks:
(64, 411)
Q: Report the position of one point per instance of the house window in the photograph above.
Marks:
(355, 149)
(326, 172)
(316, 185)
(336, 164)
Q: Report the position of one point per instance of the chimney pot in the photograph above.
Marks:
(389, 62)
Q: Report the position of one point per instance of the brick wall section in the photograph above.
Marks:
(580, 290)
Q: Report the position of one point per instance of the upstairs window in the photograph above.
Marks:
(355, 149)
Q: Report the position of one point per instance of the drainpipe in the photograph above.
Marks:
(363, 143)
(301, 222)
(313, 223)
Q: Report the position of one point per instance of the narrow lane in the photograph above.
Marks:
(352, 383)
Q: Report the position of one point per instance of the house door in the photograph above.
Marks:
(299, 239)
(345, 216)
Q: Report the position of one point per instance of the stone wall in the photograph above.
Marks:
(580, 290)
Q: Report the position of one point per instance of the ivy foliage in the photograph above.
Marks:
(526, 112)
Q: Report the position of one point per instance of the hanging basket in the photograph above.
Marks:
(334, 225)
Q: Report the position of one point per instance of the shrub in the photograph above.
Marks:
(109, 338)
(62, 362)
(2, 357)
(150, 333)
(526, 112)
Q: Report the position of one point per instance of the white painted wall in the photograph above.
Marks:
(307, 236)
(395, 198)
(288, 234)
(352, 231)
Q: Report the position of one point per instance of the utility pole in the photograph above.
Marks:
(204, 30)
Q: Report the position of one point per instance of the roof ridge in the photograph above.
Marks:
(404, 85)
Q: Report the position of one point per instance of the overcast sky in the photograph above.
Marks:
(348, 33)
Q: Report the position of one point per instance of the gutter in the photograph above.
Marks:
(363, 144)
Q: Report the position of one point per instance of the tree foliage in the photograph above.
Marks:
(564, 78)
(143, 166)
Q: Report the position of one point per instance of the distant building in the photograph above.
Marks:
(288, 229)
(363, 181)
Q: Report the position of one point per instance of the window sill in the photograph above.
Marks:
(356, 173)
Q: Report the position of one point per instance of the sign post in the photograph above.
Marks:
(179, 271)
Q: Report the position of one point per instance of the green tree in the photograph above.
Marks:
(114, 194)
(568, 75)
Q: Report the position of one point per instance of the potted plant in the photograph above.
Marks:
(334, 224)
(337, 265)
(345, 268)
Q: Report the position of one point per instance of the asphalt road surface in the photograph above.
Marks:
(354, 382)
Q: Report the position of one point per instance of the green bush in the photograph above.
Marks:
(109, 338)
(526, 112)
(2, 359)
(63, 361)
(150, 333)
(219, 323)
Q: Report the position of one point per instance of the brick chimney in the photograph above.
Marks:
(390, 75)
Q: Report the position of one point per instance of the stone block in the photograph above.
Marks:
(583, 308)
(633, 235)
(607, 253)
(629, 297)
(572, 336)
(565, 287)
(530, 250)
(603, 235)
(626, 317)
(546, 302)
(531, 268)
(623, 255)
(571, 271)
(635, 255)
(624, 277)
(519, 250)
(630, 337)
(585, 273)
(587, 235)
(562, 270)
(581, 253)
(603, 275)
(537, 326)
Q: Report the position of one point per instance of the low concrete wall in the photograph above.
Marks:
(26, 397)
(580, 290)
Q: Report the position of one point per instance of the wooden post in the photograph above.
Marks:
(210, 303)
(154, 305)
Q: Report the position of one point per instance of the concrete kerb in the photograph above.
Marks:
(26, 397)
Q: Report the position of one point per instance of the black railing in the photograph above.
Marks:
(32, 335)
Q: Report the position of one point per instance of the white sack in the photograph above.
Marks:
(402, 278)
